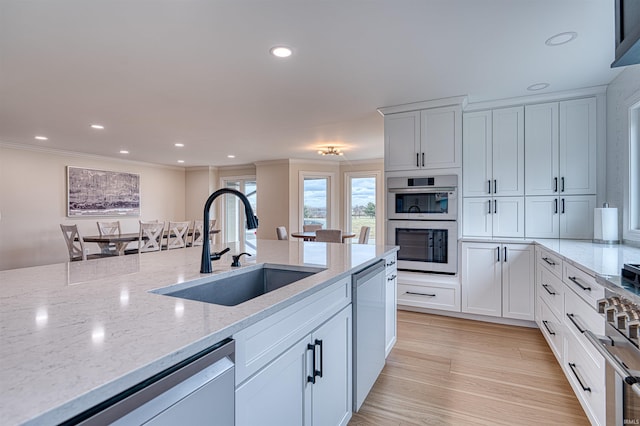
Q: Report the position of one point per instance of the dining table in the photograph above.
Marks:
(121, 241)
(311, 235)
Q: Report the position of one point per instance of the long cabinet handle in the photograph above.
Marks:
(489, 186)
(553, 333)
(423, 159)
(555, 206)
(546, 287)
(419, 294)
(495, 186)
(575, 280)
(619, 367)
(489, 211)
(580, 329)
(498, 249)
(505, 253)
(572, 366)
(312, 378)
(562, 202)
(562, 184)
(318, 342)
(555, 184)
(550, 262)
(417, 159)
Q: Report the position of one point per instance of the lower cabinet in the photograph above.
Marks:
(308, 384)
(498, 280)
(391, 302)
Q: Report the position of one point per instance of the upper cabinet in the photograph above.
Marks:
(426, 139)
(560, 148)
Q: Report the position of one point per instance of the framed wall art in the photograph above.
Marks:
(93, 192)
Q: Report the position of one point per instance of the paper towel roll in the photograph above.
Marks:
(605, 225)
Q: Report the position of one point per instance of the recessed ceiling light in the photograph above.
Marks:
(231, 156)
(179, 145)
(124, 151)
(41, 138)
(281, 51)
(538, 86)
(97, 126)
(561, 38)
(180, 161)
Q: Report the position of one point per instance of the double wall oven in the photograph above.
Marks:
(422, 215)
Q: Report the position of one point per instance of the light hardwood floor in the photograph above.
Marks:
(449, 371)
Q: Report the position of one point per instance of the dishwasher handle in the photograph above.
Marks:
(362, 276)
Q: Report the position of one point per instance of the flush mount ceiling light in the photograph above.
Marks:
(41, 138)
(124, 151)
(537, 86)
(281, 51)
(561, 38)
(178, 145)
(330, 150)
(180, 161)
(97, 126)
(231, 156)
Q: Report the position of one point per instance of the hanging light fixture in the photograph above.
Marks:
(330, 150)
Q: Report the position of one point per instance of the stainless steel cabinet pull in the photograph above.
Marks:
(572, 366)
(423, 159)
(546, 287)
(312, 348)
(417, 159)
(498, 248)
(391, 278)
(495, 206)
(562, 184)
(393, 262)
(489, 186)
(555, 206)
(562, 211)
(505, 254)
(489, 207)
(550, 262)
(495, 186)
(575, 280)
(580, 329)
(555, 184)
(619, 367)
(548, 329)
(318, 373)
(420, 294)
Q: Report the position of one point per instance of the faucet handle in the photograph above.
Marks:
(218, 255)
(236, 258)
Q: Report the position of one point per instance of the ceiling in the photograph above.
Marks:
(158, 72)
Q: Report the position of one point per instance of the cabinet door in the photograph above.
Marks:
(518, 285)
(402, 141)
(481, 281)
(476, 154)
(578, 146)
(331, 394)
(391, 302)
(508, 217)
(508, 151)
(576, 216)
(543, 218)
(279, 393)
(441, 137)
(477, 217)
(541, 149)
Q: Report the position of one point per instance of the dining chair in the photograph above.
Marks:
(109, 228)
(281, 232)
(150, 238)
(311, 228)
(177, 234)
(364, 235)
(198, 230)
(329, 235)
(75, 244)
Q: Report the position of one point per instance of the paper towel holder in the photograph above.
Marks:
(605, 231)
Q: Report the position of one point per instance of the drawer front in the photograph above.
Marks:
(583, 373)
(580, 316)
(583, 284)
(552, 328)
(433, 297)
(550, 289)
(262, 342)
(391, 263)
(549, 260)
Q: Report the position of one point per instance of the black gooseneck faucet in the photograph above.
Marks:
(252, 223)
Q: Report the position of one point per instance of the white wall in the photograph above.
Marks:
(33, 202)
(619, 94)
(272, 179)
(199, 183)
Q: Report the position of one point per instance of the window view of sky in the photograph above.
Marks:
(315, 190)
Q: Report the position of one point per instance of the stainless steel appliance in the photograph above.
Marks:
(620, 346)
(368, 292)
(423, 198)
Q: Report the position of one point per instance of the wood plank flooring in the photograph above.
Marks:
(450, 371)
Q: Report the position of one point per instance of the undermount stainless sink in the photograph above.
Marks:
(241, 285)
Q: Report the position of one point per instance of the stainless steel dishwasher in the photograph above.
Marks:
(198, 391)
(368, 293)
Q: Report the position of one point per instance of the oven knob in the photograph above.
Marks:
(622, 317)
(613, 313)
(604, 304)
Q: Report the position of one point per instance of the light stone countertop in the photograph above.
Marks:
(74, 334)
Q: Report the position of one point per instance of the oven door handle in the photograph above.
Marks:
(619, 367)
(422, 190)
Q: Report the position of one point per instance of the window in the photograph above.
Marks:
(316, 200)
(632, 226)
(363, 208)
(235, 223)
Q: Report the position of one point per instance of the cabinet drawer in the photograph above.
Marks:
(551, 327)
(391, 263)
(549, 260)
(550, 289)
(263, 341)
(582, 373)
(446, 298)
(580, 316)
(583, 284)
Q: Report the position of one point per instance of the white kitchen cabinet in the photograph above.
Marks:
(426, 139)
(498, 280)
(560, 217)
(560, 148)
(493, 217)
(391, 302)
(284, 391)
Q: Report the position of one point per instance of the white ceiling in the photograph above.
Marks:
(157, 72)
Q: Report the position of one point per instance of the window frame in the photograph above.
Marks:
(348, 176)
(331, 196)
(631, 211)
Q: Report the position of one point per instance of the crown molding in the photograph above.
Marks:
(415, 106)
(201, 168)
(272, 162)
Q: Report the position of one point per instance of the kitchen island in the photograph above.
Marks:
(74, 334)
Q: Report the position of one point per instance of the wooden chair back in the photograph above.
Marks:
(150, 238)
(329, 235)
(311, 228)
(198, 230)
(75, 245)
(177, 234)
(109, 228)
(281, 232)
(364, 235)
